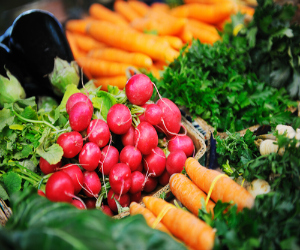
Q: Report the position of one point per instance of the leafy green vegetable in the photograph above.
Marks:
(10, 89)
(235, 151)
(212, 82)
(64, 74)
(244, 159)
(25, 135)
(37, 223)
(274, 46)
(273, 223)
(46, 103)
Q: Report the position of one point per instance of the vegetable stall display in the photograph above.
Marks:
(93, 146)
(101, 147)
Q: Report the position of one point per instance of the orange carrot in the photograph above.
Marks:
(100, 12)
(77, 25)
(150, 218)
(102, 68)
(131, 40)
(118, 55)
(246, 9)
(87, 43)
(189, 194)
(174, 41)
(205, 1)
(160, 64)
(205, 36)
(73, 45)
(201, 25)
(125, 10)
(119, 81)
(182, 224)
(185, 35)
(220, 26)
(224, 189)
(155, 71)
(139, 6)
(159, 6)
(206, 13)
(163, 24)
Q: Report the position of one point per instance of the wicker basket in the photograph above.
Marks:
(200, 147)
(198, 140)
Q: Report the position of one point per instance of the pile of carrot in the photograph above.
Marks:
(202, 187)
(208, 185)
(106, 42)
(180, 224)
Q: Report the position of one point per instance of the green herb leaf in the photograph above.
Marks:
(12, 182)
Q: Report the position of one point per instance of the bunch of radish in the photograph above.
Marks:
(98, 164)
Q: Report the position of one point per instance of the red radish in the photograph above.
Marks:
(164, 178)
(153, 114)
(140, 168)
(91, 184)
(139, 89)
(60, 187)
(120, 178)
(98, 132)
(89, 156)
(119, 119)
(90, 203)
(182, 142)
(124, 200)
(76, 175)
(71, 143)
(106, 209)
(47, 168)
(136, 197)
(142, 118)
(155, 162)
(171, 117)
(109, 158)
(131, 156)
(175, 161)
(79, 204)
(127, 138)
(145, 138)
(80, 116)
(137, 182)
(41, 193)
(78, 97)
(150, 183)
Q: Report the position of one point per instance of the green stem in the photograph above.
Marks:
(29, 172)
(28, 179)
(33, 121)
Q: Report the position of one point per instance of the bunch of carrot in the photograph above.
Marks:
(203, 188)
(207, 185)
(180, 224)
(107, 42)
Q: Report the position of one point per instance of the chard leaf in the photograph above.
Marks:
(104, 101)
(29, 113)
(70, 90)
(6, 118)
(12, 182)
(3, 193)
(52, 154)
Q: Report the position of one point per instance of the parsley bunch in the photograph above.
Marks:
(212, 82)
